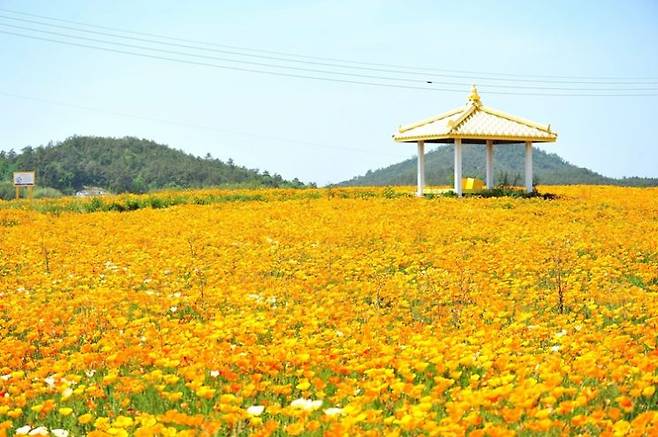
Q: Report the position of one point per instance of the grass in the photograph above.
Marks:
(500, 191)
(167, 199)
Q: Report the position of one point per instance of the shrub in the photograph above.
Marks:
(7, 191)
(46, 192)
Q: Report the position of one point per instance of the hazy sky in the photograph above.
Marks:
(325, 131)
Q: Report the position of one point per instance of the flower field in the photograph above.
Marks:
(330, 312)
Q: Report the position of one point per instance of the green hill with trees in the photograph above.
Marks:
(125, 165)
(548, 169)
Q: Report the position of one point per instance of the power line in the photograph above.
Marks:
(330, 72)
(311, 70)
(302, 76)
(225, 67)
(190, 125)
(603, 80)
(215, 58)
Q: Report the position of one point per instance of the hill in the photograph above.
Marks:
(126, 165)
(548, 168)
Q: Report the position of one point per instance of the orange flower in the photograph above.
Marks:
(295, 428)
(354, 301)
(625, 403)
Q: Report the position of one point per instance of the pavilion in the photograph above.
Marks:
(474, 123)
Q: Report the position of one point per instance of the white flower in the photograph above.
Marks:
(298, 403)
(23, 430)
(59, 432)
(66, 393)
(173, 309)
(561, 334)
(333, 411)
(255, 410)
(5, 377)
(306, 404)
(90, 373)
(555, 348)
(214, 373)
(42, 430)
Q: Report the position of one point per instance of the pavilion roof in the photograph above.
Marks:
(475, 123)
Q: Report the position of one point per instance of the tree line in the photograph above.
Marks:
(548, 169)
(126, 164)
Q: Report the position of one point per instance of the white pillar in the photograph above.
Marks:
(421, 168)
(458, 166)
(490, 176)
(528, 166)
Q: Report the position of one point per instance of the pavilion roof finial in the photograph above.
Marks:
(474, 96)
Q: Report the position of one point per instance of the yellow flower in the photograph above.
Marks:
(621, 428)
(122, 422)
(648, 391)
(501, 312)
(102, 423)
(15, 413)
(304, 384)
(205, 392)
(85, 418)
(65, 411)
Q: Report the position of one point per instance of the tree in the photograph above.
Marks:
(127, 164)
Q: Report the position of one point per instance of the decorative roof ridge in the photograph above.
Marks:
(454, 124)
(499, 113)
(429, 120)
(474, 97)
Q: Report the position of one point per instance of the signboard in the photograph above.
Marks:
(23, 178)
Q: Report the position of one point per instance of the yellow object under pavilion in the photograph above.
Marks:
(474, 123)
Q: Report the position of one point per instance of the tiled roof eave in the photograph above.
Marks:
(514, 118)
(509, 138)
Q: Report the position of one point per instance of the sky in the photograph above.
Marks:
(327, 131)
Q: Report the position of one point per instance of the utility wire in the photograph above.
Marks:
(311, 70)
(215, 58)
(225, 67)
(303, 76)
(604, 80)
